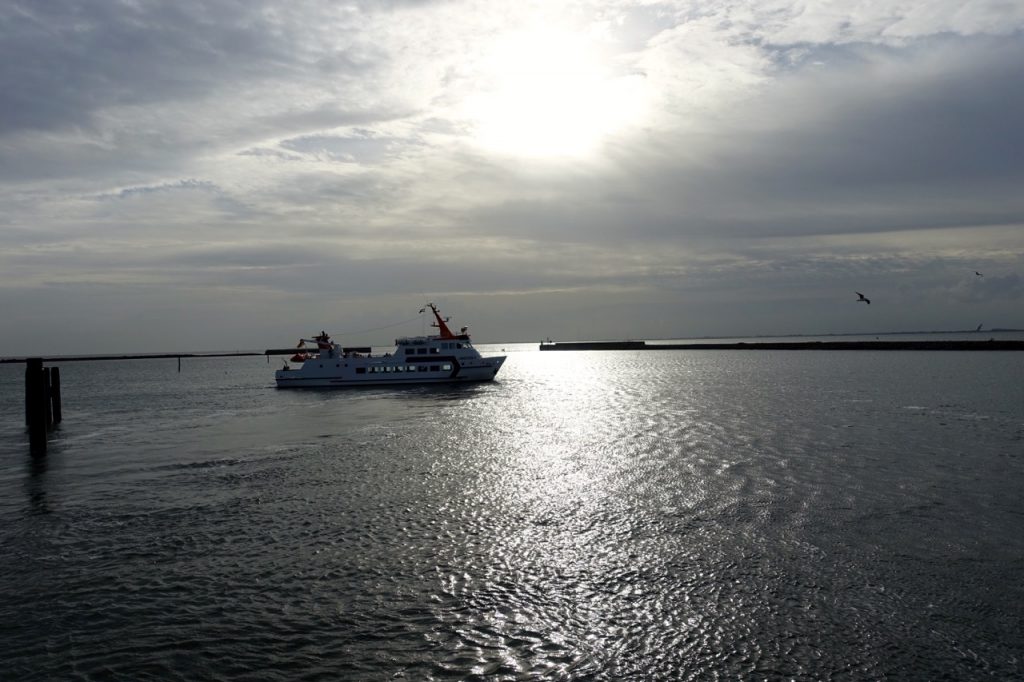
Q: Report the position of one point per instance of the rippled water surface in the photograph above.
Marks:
(591, 515)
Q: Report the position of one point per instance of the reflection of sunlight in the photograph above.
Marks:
(564, 416)
(558, 458)
(549, 93)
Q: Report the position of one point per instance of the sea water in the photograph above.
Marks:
(589, 515)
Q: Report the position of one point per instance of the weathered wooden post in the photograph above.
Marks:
(28, 391)
(47, 406)
(55, 406)
(35, 408)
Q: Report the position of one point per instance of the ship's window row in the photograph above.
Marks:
(388, 369)
(433, 350)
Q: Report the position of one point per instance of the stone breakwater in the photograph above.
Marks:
(989, 345)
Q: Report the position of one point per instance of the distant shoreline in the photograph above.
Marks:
(649, 344)
(989, 345)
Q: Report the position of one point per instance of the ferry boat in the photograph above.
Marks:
(442, 358)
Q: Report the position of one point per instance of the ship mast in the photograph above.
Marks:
(442, 325)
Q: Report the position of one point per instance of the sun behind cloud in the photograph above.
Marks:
(551, 93)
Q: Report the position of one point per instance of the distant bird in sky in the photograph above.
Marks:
(978, 329)
(862, 297)
(978, 274)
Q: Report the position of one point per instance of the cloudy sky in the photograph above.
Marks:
(232, 174)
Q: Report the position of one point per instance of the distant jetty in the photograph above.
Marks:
(990, 345)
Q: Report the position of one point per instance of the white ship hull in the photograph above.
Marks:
(332, 372)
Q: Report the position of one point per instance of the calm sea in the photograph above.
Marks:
(663, 515)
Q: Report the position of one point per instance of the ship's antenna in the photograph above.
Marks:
(440, 322)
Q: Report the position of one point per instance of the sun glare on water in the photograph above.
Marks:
(550, 93)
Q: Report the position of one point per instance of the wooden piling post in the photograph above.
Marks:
(35, 409)
(179, 364)
(55, 406)
(28, 391)
(47, 406)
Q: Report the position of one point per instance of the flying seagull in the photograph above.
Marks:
(979, 328)
(862, 298)
(978, 274)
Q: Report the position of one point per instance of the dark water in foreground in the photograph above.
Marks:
(611, 516)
